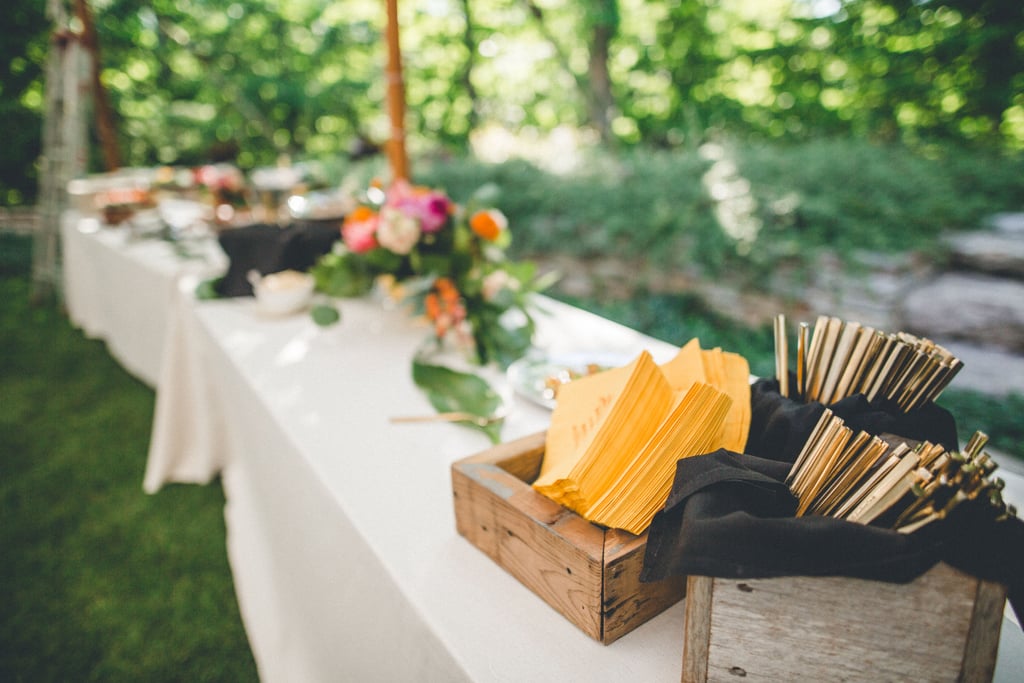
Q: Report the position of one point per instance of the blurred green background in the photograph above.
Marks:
(854, 124)
(255, 79)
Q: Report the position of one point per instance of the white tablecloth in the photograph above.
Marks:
(119, 288)
(341, 532)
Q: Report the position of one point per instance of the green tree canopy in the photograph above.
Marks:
(196, 80)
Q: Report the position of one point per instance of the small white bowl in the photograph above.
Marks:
(283, 293)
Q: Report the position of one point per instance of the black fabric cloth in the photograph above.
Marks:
(731, 515)
(780, 426)
(270, 249)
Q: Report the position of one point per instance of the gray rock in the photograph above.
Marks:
(986, 370)
(1011, 223)
(996, 253)
(984, 310)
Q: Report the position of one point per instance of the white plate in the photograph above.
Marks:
(319, 206)
(529, 376)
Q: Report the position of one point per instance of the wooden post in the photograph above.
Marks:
(105, 127)
(396, 97)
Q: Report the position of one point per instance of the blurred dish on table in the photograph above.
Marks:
(282, 293)
(537, 377)
(319, 206)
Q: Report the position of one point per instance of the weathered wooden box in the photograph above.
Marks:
(944, 626)
(589, 574)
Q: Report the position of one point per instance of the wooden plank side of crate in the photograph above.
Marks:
(834, 628)
(628, 602)
(521, 457)
(840, 629)
(983, 639)
(697, 628)
(551, 550)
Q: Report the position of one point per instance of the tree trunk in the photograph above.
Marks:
(601, 101)
(466, 75)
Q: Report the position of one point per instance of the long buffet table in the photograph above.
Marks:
(341, 532)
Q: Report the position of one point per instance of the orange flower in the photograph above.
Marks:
(433, 306)
(488, 224)
(446, 288)
(360, 214)
(444, 306)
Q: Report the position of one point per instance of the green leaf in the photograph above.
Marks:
(207, 289)
(341, 275)
(325, 315)
(383, 260)
(454, 391)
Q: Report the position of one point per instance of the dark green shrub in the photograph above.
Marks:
(843, 195)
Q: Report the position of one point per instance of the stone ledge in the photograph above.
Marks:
(986, 370)
(982, 309)
(992, 253)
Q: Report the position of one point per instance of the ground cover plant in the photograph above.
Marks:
(742, 208)
(101, 582)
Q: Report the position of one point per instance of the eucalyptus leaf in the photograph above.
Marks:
(207, 289)
(450, 390)
(325, 315)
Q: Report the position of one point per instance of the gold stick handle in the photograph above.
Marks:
(781, 355)
(454, 416)
(803, 336)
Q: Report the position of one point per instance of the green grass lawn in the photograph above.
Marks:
(100, 582)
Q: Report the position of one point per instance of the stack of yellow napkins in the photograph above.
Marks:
(615, 436)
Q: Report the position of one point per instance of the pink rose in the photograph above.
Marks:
(359, 231)
(433, 211)
(429, 207)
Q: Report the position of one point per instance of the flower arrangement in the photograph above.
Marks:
(224, 182)
(446, 259)
(221, 187)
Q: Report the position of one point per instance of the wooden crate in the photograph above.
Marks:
(589, 574)
(944, 626)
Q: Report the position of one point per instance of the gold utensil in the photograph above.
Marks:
(781, 355)
(453, 416)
